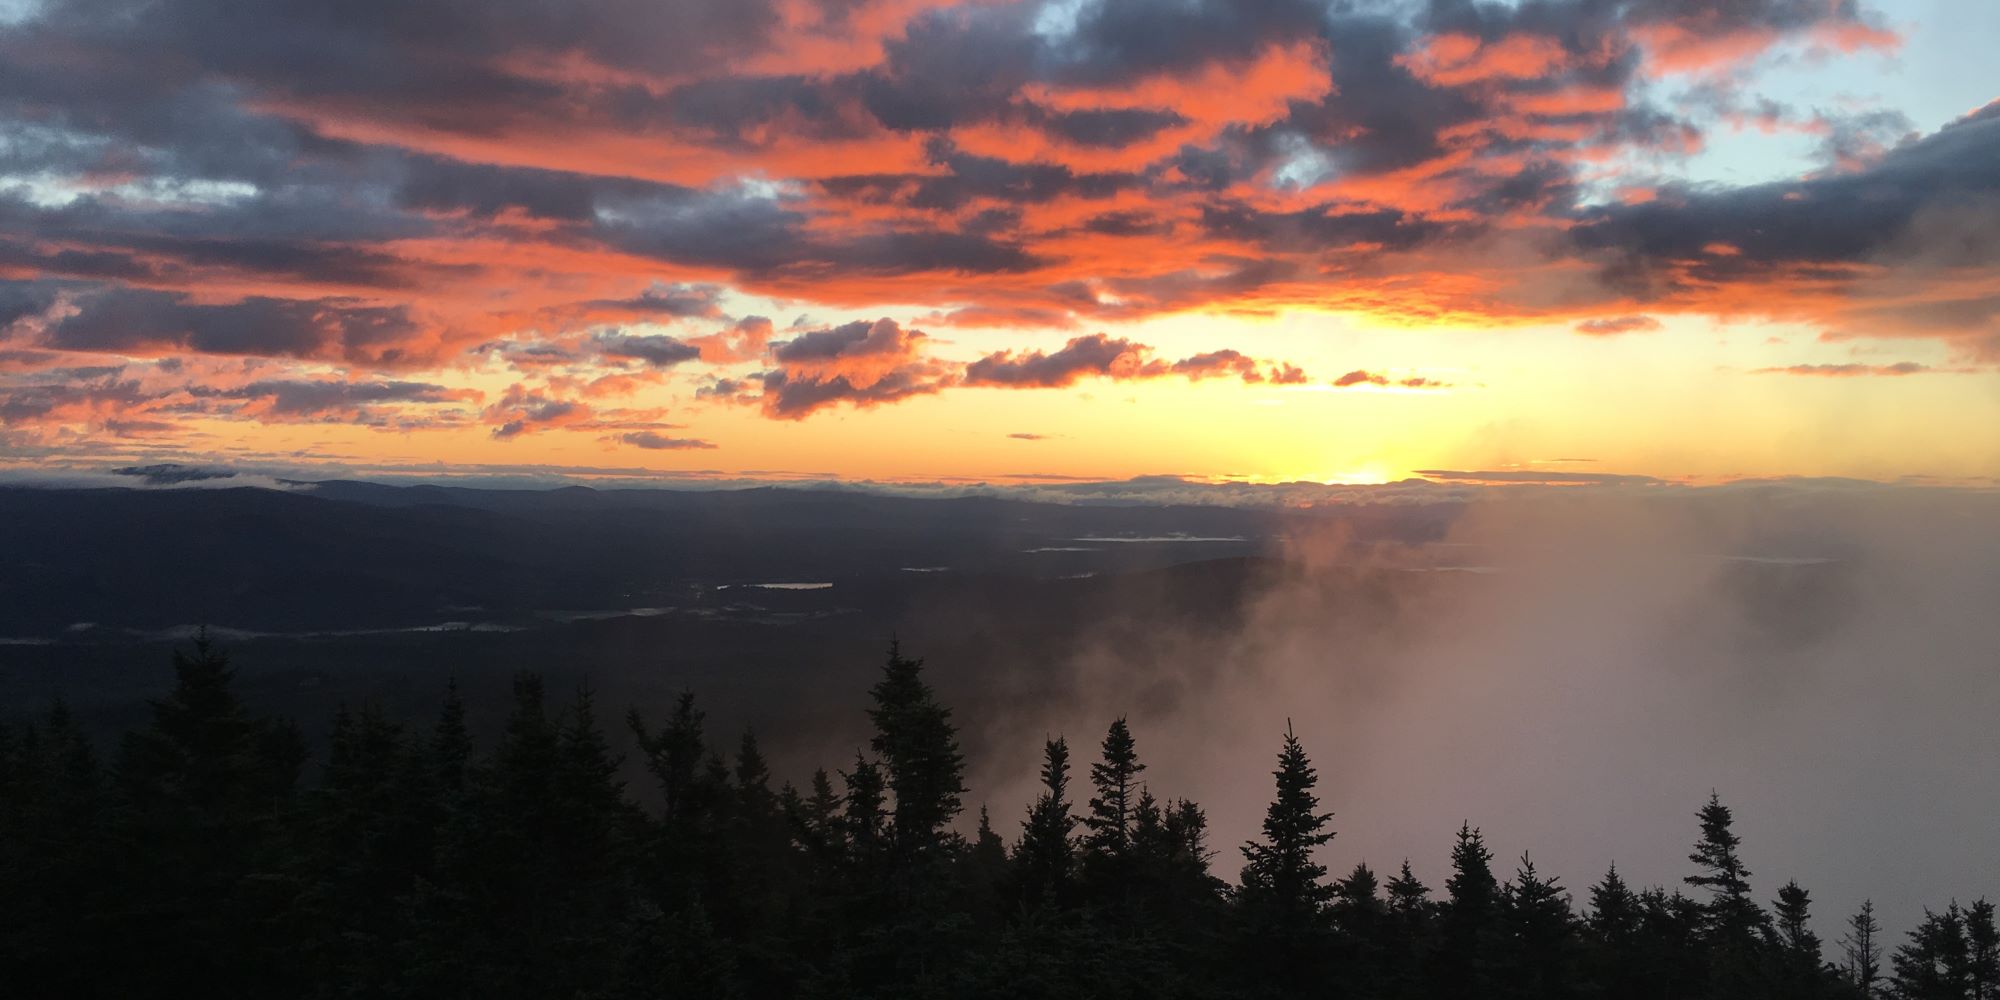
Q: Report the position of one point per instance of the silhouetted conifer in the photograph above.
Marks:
(920, 756)
(1936, 962)
(1538, 958)
(1045, 859)
(1733, 915)
(1982, 946)
(1468, 923)
(1861, 951)
(414, 866)
(1283, 891)
(206, 786)
(1108, 846)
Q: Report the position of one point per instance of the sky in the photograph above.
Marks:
(1256, 241)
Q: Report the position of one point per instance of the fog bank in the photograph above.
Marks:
(1575, 672)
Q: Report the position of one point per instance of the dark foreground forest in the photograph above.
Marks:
(195, 860)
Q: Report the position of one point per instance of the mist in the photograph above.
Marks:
(1574, 672)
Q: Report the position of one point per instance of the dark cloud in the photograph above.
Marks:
(678, 301)
(20, 300)
(1096, 354)
(523, 410)
(792, 397)
(147, 321)
(653, 441)
(858, 339)
(657, 350)
(25, 404)
(1690, 237)
(433, 184)
(314, 398)
(1111, 127)
(172, 473)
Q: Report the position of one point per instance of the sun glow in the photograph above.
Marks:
(1370, 475)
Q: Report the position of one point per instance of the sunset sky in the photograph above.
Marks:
(906, 240)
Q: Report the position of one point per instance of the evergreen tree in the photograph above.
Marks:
(1360, 891)
(1615, 924)
(1861, 951)
(1046, 856)
(675, 758)
(1733, 915)
(1982, 945)
(363, 844)
(1792, 913)
(206, 786)
(1409, 897)
(1187, 846)
(920, 755)
(1283, 894)
(1115, 779)
(1279, 873)
(451, 744)
(1733, 925)
(1468, 927)
(986, 871)
(1411, 913)
(818, 820)
(1936, 963)
(1539, 928)
(1366, 934)
(1798, 970)
(54, 809)
(1472, 889)
(863, 823)
(1614, 910)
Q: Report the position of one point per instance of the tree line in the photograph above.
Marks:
(193, 860)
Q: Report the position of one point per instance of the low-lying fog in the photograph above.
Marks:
(1829, 662)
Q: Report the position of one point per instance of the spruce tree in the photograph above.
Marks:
(205, 784)
(1614, 911)
(1538, 960)
(920, 755)
(1861, 951)
(1982, 945)
(1615, 924)
(1469, 922)
(1792, 916)
(1733, 915)
(1798, 971)
(1409, 897)
(1284, 893)
(1279, 872)
(819, 820)
(450, 744)
(1115, 779)
(1359, 891)
(1936, 962)
(675, 758)
(1045, 859)
(863, 824)
(54, 870)
(1472, 889)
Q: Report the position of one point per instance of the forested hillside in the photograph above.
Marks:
(212, 853)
